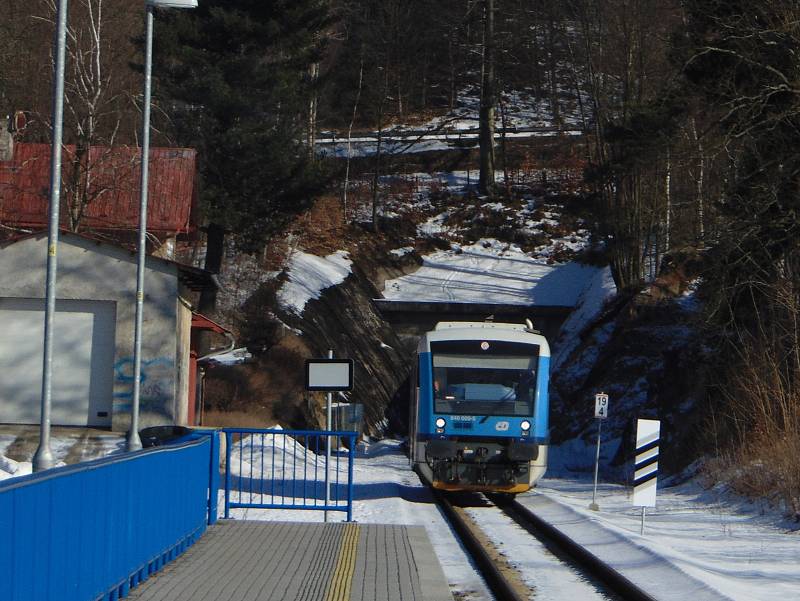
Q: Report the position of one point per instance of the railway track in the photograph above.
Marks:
(610, 583)
(499, 583)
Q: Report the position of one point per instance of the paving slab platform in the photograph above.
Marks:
(286, 561)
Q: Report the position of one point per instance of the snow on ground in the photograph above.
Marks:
(309, 275)
(743, 551)
(695, 540)
(402, 252)
(492, 272)
(458, 128)
(232, 357)
(66, 447)
(13, 469)
(396, 141)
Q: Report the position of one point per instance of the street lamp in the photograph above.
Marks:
(134, 442)
(43, 459)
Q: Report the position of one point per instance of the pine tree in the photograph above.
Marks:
(233, 77)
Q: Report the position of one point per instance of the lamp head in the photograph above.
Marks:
(172, 3)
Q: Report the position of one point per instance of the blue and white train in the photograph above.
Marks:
(479, 410)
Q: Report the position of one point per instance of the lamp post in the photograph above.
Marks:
(43, 459)
(134, 442)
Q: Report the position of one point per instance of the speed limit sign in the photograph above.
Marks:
(601, 405)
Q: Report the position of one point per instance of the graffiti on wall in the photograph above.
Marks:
(156, 385)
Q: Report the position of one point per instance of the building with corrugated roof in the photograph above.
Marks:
(93, 337)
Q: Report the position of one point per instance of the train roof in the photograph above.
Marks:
(467, 330)
(460, 325)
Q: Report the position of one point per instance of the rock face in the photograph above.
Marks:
(345, 319)
(649, 356)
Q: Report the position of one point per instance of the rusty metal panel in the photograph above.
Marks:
(113, 187)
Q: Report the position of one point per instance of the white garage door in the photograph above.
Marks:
(83, 361)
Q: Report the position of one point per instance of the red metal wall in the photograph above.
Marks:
(114, 188)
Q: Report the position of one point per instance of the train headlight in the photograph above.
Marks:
(526, 427)
(440, 423)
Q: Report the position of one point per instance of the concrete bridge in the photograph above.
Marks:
(412, 319)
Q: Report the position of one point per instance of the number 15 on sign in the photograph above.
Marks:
(601, 405)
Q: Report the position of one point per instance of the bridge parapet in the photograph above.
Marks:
(95, 530)
(411, 319)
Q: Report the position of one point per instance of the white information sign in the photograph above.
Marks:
(645, 476)
(329, 374)
(601, 405)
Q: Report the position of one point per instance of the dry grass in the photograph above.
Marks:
(774, 471)
(322, 229)
(263, 393)
(238, 419)
(763, 403)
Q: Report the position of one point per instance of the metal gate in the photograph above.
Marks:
(288, 469)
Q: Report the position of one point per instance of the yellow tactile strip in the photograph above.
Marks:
(285, 561)
(342, 581)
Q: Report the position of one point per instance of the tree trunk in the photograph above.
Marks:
(698, 191)
(668, 199)
(504, 148)
(350, 136)
(551, 54)
(488, 102)
(379, 148)
(311, 134)
(452, 60)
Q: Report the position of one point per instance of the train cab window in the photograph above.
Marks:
(471, 380)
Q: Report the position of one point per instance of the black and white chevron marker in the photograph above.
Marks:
(646, 465)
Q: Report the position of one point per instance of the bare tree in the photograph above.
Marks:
(98, 91)
(625, 67)
(346, 183)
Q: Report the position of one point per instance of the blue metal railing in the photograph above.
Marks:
(286, 469)
(95, 530)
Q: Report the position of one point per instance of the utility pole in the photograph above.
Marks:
(329, 427)
(43, 459)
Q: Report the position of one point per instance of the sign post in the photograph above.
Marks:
(328, 425)
(329, 375)
(600, 413)
(645, 476)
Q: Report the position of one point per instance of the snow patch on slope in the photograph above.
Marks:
(309, 275)
(598, 290)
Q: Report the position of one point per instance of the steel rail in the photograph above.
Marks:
(580, 557)
(500, 587)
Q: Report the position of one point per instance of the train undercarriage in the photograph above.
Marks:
(508, 468)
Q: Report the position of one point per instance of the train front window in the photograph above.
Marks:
(489, 383)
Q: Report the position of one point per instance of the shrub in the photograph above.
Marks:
(762, 423)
